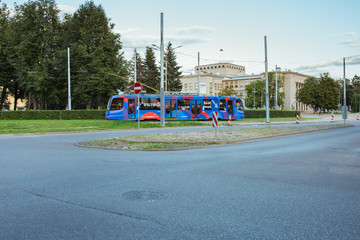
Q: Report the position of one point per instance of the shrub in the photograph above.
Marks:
(52, 115)
(273, 113)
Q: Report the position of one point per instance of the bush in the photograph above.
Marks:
(52, 115)
(273, 113)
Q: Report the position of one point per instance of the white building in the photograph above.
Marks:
(214, 77)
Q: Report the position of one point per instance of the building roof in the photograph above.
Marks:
(220, 63)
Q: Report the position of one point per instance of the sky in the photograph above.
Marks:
(308, 36)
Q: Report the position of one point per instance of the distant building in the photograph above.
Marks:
(21, 104)
(215, 77)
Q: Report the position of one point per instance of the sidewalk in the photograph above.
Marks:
(310, 118)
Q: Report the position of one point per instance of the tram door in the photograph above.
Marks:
(195, 106)
(230, 106)
(131, 108)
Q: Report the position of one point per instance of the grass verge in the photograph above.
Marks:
(197, 139)
(47, 126)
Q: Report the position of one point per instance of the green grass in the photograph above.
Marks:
(44, 126)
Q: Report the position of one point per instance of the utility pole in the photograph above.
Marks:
(134, 64)
(166, 73)
(266, 85)
(254, 95)
(198, 73)
(276, 88)
(69, 81)
(344, 104)
(162, 97)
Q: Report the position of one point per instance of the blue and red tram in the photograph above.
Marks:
(177, 107)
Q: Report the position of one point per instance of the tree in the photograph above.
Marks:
(355, 98)
(227, 91)
(328, 92)
(355, 102)
(259, 86)
(6, 68)
(34, 29)
(151, 72)
(140, 75)
(173, 70)
(320, 92)
(96, 60)
(308, 94)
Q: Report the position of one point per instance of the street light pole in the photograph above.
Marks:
(254, 95)
(162, 97)
(266, 85)
(134, 64)
(344, 104)
(276, 87)
(69, 81)
(198, 73)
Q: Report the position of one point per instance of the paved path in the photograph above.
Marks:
(304, 186)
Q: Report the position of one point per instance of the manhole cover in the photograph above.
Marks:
(145, 195)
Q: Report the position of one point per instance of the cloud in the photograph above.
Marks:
(195, 30)
(127, 30)
(66, 9)
(354, 42)
(350, 60)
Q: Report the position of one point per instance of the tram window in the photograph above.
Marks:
(230, 107)
(222, 105)
(183, 104)
(207, 104)
(149, 104)
(131, 107)
(239, 105)
(117, 104)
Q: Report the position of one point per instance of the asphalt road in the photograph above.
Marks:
(305, 186)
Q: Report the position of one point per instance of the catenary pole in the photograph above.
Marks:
(162, 102)
(344, 100)
(69, 81)
(276, 86)
(266, 84)
(198, 74)
(134, 64)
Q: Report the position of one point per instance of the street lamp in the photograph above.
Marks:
(276, 87)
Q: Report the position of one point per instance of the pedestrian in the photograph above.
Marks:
(319, 111)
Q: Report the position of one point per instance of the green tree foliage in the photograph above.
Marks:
(151, 71)
(309, 93)
(6, 69)
(173, 70)
(355, 88)
(320, 92)
(256, 88)
(227, 91)
(355, 102)
(35, 30)
(95, 56)
(260, 92)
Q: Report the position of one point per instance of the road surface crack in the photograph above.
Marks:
(128, 215)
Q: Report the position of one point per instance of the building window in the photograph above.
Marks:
(185, 86)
